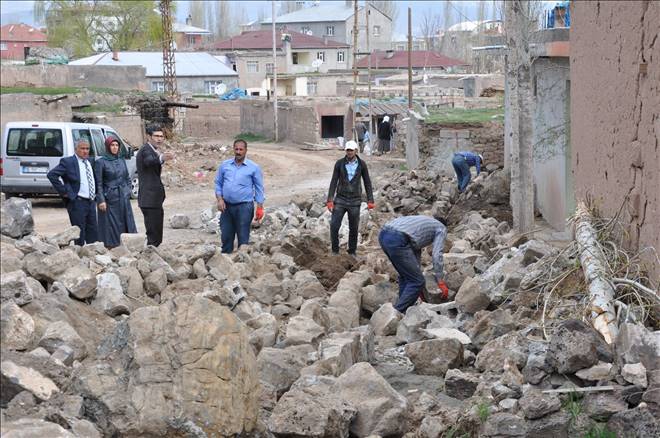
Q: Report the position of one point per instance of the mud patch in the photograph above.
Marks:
(314, 254)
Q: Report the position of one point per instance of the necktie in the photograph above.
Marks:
(90, 180)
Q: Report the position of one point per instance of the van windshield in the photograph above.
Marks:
(35, 142)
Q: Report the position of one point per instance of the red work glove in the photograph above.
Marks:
(444, 289)
(260, 213)
(371, 205)
(330, 205)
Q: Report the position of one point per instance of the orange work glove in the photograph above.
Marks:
(444, 289)
(371, 205)
(330, 205)
(260, 213)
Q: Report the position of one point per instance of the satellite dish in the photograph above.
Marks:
(317, 63)
(309, 32)
(220, 89)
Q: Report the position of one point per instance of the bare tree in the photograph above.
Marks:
(291, 6)
(198, 13)
(519, 25)
(429, 28)
(223, 19)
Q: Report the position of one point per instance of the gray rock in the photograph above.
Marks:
(16, 217)
(131, 281)
(265, 289)
(460, 385)
(509, 405)
(65, 237)
(90, 250)
(40, 353)
(375, 295)
(315, 310)
(635, 344)
(535, 404)
(199, 268)
(487, 326)
(16, 327)
(15, 287)
(503, 424)
(554, 425)
(110, 297)
(512, 346)
(303, 330)
(410, 326)
(635, 423)
(635, 374)
(60, 333)
(179, 221)
(572, 347)
(155, 283)
(16, 378)
(52, 266)
(344, 306)
(307, 285)
(64, 354)
(385, 320)
(434, 357)
(33, 428)
(134, 242)
(381, 410)
(80, 281)
(32, 243)
(470, 298)
(279, 368)
(500, 392)
(84, 428)
(601, 406)
(600, 371)
(446, 333)
(339, 351)
(264, 331)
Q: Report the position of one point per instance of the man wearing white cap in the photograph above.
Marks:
(462, 161)
(385, 131)
(345, 196)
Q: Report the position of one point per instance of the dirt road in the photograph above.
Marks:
(290, 173)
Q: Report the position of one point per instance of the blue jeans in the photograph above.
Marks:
(462, 170)
(405, 259)
(235, 221)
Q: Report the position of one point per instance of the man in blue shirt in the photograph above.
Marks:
(462, 162)
(238, 185)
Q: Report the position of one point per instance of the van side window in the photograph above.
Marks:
(123, 147)
(83, 134)
(35, 142)
(99, 142)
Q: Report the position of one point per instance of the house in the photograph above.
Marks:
(188, 37)
(196, 72)
(335, 21)
(422, 60)
(16, 40)
(251, 54)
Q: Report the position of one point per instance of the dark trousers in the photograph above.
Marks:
(462, 170)
(353, 224)
(235, 221)
(82, 212)
(405, 259)
(153, 223)
(384, 145)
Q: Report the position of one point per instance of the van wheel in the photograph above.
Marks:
(135, 187)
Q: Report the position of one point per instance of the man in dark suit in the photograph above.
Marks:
(74, 180)
(149, 161)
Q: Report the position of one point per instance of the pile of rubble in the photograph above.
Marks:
(282, 339)
(195, 164)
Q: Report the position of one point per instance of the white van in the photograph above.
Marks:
(31, 149)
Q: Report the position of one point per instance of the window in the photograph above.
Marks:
(3, 46)
(340, 56)
(126, 149)
(158, 86)
(330, 30)
(35, 142)
(253, 66)
(99, 142)
(209, 86)
(320, 56)
(269, 67)
(311, 88)
(306, 30)
(376, 30)
(294, 57)
(191, 40)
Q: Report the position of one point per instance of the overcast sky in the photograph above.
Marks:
(21, 11)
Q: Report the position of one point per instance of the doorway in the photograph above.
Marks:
(332, 126)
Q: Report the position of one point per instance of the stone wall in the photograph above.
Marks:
(213, 119)
(116, 77)
(439, 142)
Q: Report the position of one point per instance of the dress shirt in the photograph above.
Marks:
(351, 168)
(83, 192)
(423, 231)
(240, 183)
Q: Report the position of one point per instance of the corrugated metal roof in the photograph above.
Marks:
(316, 13)
(380, 107)
(187, 63)
(188, 29)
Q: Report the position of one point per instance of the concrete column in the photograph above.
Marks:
(412, 139)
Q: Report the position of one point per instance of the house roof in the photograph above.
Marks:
(337, 12)
(188, 29)
(399, 59)
(187, 63)
(263, 40)
(21, 32)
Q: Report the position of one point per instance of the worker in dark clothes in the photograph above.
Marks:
(462, 161)
(385, 132)
(345, 196)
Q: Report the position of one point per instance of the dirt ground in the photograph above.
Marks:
(290, 173)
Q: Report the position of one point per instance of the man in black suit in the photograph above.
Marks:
(151, 195)
(74, 180)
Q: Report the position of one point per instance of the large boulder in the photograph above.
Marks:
(375, 295)
(279, 368)
(636, 423)
(16, 327)
(573, 346)
(381, 410)
(49, 268)
(16, 378)
(80, 281)
(16, 286)
(472, 297)
(487, 326)
(16, 217)
(635, 344)
(385, 320)
(60, 333)
(434, 357)
(192, 369)
(110, 297)
(510, 347)
(34, 428)
(411, 325)
(303, 330)
(264, 331)
(460, 385)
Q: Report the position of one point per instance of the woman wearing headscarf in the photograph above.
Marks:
(113, 195)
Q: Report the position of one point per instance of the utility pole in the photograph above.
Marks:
(518, 28)
(367, 12)
(410, 93)
(355, 51)
(274, 72)
(169, 68)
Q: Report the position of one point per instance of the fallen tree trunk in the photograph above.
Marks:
(592, 259)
